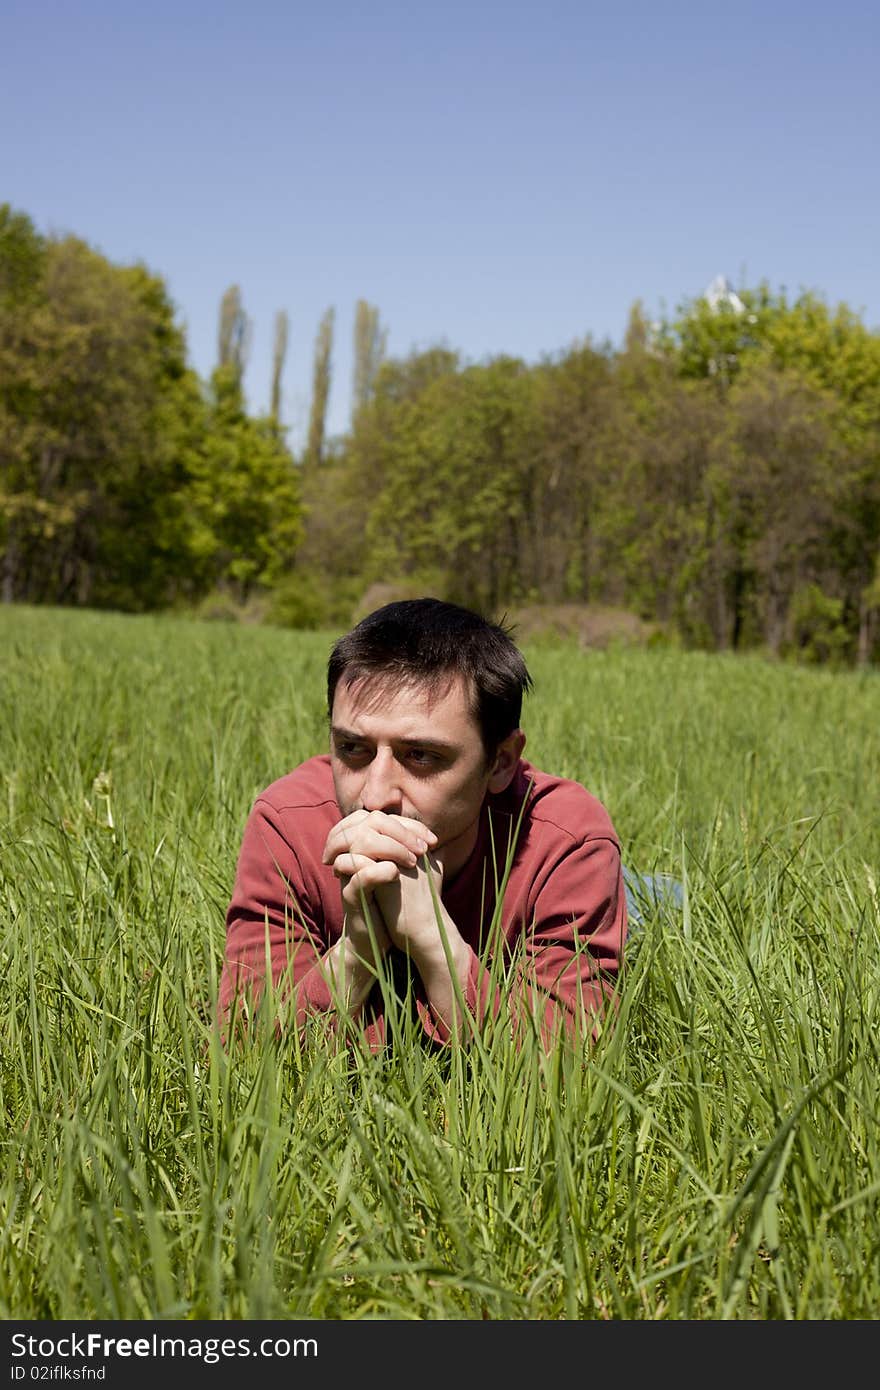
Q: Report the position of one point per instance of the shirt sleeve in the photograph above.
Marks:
(566, 958)
(572, 946)
(273, 930)
(481, 996)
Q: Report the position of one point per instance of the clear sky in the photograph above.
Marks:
(498, 177)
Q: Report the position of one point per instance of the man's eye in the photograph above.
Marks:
(422, 757)
(351, 750)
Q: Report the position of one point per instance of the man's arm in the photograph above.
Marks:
(418, 923)
(275, 929)
(566, 954)
(276, 924)
(568, 945)
(572, 948)
(278, 932)
(565, 946)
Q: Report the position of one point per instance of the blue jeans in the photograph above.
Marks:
(646, 892)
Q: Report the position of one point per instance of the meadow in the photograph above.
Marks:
(715, 1156)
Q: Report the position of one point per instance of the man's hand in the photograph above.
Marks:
(385, 840)
(368, 849)
(418, 924)
(409, 905)
(388, 859)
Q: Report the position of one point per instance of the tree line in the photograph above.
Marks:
(718, 474)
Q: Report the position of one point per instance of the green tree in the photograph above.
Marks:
(321, 372)
(369, 351)
(279, 353)
(244, 496)
(23, 328)
(835, 359)
(233, 333)
(97, 410)
(452, 502)
(561, 449)
(776, 482)
(122, 483)
(339, 497)
(653, 517)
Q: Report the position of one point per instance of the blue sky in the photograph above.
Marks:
(495, 177)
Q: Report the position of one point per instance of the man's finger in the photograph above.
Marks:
(372, 846)
(368, 877)
(380, 836)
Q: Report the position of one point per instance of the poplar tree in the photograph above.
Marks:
(320, 389)
(279, 352)
(369, 351)
(233, 334)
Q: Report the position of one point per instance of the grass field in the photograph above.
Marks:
(717, 1156)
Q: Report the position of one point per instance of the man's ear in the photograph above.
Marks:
(506, 761)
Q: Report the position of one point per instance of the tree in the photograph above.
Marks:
(452, 503)
(566, 423)
(279, 352)
(775, 484)
(97, 411)
(339, 497)
(639, 332)
(233, 333)
(369, 351)
(650, 457)
(320, 390)
(244, 496)
(773, 342)
(121, 483)
(22, 329)
(710, 338)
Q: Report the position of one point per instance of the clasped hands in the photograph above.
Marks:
(389, 861)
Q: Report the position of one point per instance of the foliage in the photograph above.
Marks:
(279, 352)
(818, 632)
(700, 477)
(122, 484)
(233, 334)
(321, 375)
(370, 339)
(720, 465)
(97, 414)
(304, 599)
(243, 495)
(452, 491)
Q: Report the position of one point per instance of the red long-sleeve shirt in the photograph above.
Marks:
(564, 902)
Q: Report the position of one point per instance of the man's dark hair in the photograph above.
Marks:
(430, 642)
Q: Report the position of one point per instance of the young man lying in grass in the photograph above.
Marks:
(424, 854)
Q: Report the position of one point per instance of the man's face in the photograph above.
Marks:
(411, 752)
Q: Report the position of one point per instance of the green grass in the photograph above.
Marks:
(717, 1155)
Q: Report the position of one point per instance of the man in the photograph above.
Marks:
(424, 847)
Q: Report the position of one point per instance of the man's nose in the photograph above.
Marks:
(381, 789)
